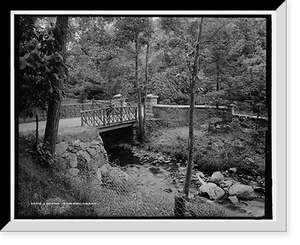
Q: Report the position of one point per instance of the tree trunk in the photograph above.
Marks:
(36, 129)
(53, 113)
(146, 88)
(218, 72)
(137, 85)
(191, 119)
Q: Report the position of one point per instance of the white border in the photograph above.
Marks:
(279, 222)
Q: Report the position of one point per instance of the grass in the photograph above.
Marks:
(148, 199)
(213, 151)
(37, 184)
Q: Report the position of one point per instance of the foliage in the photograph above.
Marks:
(37, 184)
(38, 62)
(42, 155)
(214, 152)
(100, 58)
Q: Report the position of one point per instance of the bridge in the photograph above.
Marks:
(110, 118)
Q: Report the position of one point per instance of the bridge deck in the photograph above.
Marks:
(114, 126)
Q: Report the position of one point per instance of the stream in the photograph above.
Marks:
(172, 172)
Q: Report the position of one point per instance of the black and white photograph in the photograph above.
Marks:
(154, 116)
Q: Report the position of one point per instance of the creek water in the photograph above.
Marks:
(127, 156)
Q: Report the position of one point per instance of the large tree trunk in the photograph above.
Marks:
(191, 119)
(53, 113)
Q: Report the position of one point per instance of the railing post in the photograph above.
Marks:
(121, 112)
(136, 113)
(81, 114)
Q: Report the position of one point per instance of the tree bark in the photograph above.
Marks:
(146, 89)
(53, 113)
(36, 129)
(191, 117)
(139, 94)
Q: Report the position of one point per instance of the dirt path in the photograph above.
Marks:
(63, 123)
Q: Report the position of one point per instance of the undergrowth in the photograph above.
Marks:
(37, 184)
(240, 148)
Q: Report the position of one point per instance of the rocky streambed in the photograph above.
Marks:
(243, 194)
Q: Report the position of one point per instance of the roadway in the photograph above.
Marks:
(63, 123)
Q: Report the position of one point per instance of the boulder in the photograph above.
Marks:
(84, 145)
(84, 155)
(233, 199)
(91, 151)
(92, 165)
(212, 191)
(232, 170)
(243, 192)
(217, 177)
(105, 168)
(60, 148)
(72, 160)
(74, 171)
(94, 142)
(200, 174)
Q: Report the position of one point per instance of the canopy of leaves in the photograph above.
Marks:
(101, 51)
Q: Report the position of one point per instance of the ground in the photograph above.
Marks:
(152, 193)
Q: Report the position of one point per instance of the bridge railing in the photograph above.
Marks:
(108, 116)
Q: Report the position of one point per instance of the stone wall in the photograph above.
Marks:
(80, 156)
(178, 115)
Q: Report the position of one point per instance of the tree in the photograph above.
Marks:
(37, 65)
(57, 78)
(131, 34)
(192, 105)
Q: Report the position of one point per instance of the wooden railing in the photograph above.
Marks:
(106, 117)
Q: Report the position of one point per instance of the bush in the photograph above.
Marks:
(213, 152)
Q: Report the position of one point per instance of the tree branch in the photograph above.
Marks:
(213, 35)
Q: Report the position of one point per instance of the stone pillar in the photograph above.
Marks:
(117, 100)
(151, 100)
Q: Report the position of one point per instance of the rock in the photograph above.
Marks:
(232, 170)
(217, 177)
(105, 168)
(233, 199)
(243, 192)
(97, 149)
(65, 155)
(99, 175)
(76, 143)
(161, 159)
(199, 177)
(91, 151)
(73, 160)
(74, 171)
(226, 173)
(227, 183)
(200, 174)
(84, 155)
(92, 165)
(212, 191)
(60, 148)
(95, 142)
(85, 145)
